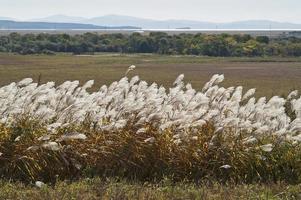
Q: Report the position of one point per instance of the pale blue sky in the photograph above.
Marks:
(203, 10)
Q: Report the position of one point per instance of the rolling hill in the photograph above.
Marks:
(119, 20)
(8, 24)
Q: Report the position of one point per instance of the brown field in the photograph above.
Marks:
(271, 76)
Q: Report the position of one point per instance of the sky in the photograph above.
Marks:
(201, 10)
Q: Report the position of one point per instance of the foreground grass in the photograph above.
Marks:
(112, 189)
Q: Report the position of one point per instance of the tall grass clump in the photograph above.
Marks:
(134, 130)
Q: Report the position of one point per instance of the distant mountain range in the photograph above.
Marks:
(135, 22)
(9, 24)
(119, 20)
(7, 18)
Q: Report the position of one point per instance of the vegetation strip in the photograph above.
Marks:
(224, 45)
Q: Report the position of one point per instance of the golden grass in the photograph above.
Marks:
(126, 154)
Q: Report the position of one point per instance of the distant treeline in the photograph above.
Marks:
(156, 42)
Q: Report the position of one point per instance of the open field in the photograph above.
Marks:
(271, 76)
(116, 190)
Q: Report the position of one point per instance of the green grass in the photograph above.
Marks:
(113, 189)
(272, 76)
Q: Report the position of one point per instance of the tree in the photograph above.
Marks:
(263, 39)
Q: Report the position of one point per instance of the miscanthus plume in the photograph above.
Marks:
(135, 103)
